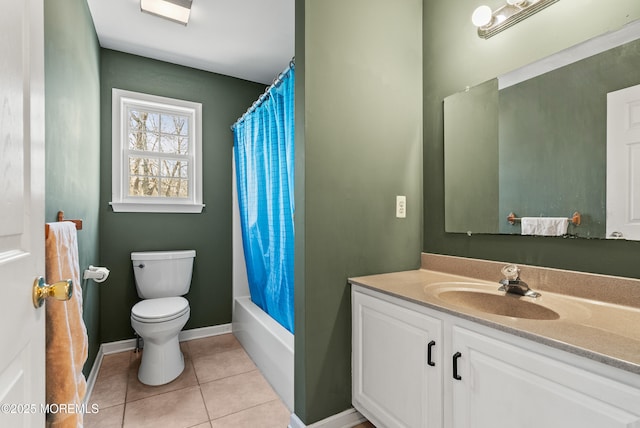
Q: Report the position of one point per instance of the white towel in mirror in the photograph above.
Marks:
(545, 226)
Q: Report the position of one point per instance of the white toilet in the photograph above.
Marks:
(162, 277)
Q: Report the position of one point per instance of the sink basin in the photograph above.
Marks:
(499, 304)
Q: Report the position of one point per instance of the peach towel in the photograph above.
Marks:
(67, 343)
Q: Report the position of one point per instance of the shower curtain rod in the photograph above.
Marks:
(257, 103)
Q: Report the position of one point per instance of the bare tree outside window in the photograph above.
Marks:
(158, 159)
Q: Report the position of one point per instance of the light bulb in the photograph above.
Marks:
(481, 16)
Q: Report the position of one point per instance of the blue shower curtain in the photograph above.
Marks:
(264, 156)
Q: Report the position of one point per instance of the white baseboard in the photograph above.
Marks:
(194, 333)
(199, 333)
(93, 375)
(118, 346)
(130, 344)
(346, 419)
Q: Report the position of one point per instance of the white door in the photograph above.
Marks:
(623, 163)
(22, 343)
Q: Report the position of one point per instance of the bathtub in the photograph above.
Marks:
(269, 345)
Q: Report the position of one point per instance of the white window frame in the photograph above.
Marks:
(120, 199)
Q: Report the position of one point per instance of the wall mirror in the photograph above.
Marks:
(533, 142)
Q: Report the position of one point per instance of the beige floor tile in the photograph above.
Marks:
(136, 390)
(177, 409)
(111, 417)
(204, 425)
(114, 364)
(235, 393)
(219, 382)
(110, 392)
(222, 364)
(212, 344)
(268, 415)
(110, 388)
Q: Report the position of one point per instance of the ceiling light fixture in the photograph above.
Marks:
(173, 10)
(491, 23)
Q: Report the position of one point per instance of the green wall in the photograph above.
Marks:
(471, 159)
(455, 57)
(72, 126)
(358, 145)
(563, 137)
(223, 99)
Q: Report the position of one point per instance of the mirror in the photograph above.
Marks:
(533, 142)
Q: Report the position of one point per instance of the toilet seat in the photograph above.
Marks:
(159, 310)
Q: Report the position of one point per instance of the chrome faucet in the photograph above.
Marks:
(513, 284)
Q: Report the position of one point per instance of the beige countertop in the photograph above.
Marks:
(602, 331)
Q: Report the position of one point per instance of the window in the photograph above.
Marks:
(157, 149)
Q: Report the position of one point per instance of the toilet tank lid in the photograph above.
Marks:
(163, 255)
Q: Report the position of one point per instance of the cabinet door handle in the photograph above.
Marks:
(456, 376)
(430, 345)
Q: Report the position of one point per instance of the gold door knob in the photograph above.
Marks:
(62, 290)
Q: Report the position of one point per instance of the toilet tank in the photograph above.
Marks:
(162, 273)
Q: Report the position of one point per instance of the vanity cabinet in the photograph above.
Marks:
(397, 364)
(482, 378)
(504, 386)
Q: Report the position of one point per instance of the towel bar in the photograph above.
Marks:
(575, 219)
(78, 223)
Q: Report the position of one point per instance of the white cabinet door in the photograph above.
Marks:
(397, 364)
(505, 386)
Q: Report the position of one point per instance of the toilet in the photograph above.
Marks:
(162, 278)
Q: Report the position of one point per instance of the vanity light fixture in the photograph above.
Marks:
(490, 23)
(173, 10)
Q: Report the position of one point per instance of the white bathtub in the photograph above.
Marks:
(269, 345)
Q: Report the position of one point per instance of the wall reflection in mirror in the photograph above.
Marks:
(537, 147)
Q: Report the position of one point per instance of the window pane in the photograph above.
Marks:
(169, 144)
(135, 140)
(174, 187)
(174, 168)
(167, 125)
(143, 186)
(145, 141)
(137, 120)
(184, 126)
(174, 144)
(143, 166)
(174, 124)
(153, 122)
(183, 145)
(140, 120)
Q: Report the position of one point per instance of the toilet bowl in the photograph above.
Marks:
(158, 322)
(162, 277)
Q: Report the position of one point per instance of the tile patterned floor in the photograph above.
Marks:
(219, 388)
